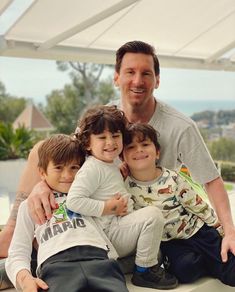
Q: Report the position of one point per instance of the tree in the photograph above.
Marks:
(86, 72)
(10, 107)
(88, 75)
(222, 117)
(223, 149)
(15, 143)
(64, 107)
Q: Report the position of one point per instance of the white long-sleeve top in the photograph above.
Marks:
(64, 230)
(95, 182)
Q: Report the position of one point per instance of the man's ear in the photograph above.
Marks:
(115, 79)
(157, 81)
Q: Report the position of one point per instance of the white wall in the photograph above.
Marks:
(10, 171)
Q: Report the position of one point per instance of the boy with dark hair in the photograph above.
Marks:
(190, 242)
(72, 254)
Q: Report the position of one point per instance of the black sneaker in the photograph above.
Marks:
(156, 277)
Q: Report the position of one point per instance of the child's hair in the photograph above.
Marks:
(141, 131)
(98, 119)
(60, 149)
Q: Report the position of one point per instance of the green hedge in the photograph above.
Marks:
(228, 171)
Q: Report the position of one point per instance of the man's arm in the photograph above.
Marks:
(29, 178)
(220, 201)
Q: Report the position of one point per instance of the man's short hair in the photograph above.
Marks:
(137, 47)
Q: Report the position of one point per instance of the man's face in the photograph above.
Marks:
(136, 79)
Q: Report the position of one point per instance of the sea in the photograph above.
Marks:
(189, 107)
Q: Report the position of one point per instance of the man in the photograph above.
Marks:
(137, 74)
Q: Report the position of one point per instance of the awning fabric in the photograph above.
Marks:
(196, 34)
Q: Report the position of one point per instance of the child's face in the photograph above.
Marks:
(60, 177)
(140, 155)
(106, 146)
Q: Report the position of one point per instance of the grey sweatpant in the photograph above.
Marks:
(140, 232)
(82, 269)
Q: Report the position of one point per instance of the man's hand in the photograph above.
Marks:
(117, 205)
(28, 283)
(41, 201)
(228, 244)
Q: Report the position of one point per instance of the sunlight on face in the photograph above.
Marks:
(140, 154)
(106, 146)
(136, 79)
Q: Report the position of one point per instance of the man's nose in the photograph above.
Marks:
(138, 79)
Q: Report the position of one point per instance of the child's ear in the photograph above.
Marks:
(42, 173)
(157, 154)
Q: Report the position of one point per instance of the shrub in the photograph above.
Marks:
(228, 171)
(15, 143)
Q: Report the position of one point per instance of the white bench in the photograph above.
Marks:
(202, 285)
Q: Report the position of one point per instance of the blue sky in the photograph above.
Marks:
(37, 78)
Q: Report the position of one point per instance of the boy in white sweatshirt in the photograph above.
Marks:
(72, 253)
(101, 131)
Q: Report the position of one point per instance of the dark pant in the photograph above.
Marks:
(82, 269)
(198, 256)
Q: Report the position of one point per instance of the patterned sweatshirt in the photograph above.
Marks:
(183, 209)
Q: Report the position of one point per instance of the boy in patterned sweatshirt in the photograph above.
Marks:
(191, 242)
(72, 253)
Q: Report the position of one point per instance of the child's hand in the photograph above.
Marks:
(33, 284)
(216, 225)
(28, 283)
(117, 205)
(219, 228)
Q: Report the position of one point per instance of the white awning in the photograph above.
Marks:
(196, 34)
(4, 4)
